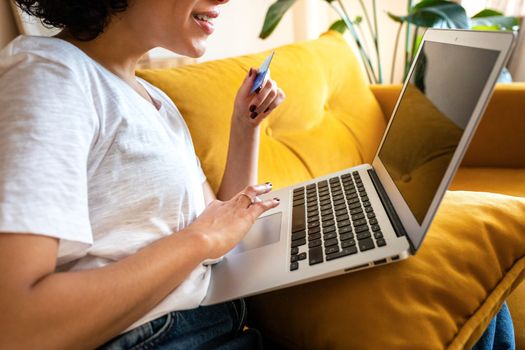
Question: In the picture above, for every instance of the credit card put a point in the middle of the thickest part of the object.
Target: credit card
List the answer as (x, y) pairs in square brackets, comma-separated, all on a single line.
[(259, 79)]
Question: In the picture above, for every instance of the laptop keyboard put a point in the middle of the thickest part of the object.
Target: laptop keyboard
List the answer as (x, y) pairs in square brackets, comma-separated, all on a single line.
[(332, 219)]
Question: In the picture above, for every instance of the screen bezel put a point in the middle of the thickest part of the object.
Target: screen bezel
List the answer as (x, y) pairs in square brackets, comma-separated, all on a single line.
[(497, 41)]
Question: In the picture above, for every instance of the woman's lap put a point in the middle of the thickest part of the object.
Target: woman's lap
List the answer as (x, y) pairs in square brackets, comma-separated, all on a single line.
[(207, 327)]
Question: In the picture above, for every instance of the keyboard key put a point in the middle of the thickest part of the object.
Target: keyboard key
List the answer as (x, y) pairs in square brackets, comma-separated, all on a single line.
[(340, 206), (329, 235), (298, 190), (294, 266), (328, 223), (342, 253), (373, 222), (302, 256), (342, 217), (322, 184), (353, 200), (369, 210), (314, 243), (298, 235), (364, 198), (295, 251), (315, 255), (366, 244), (349, 243), (314, 230), (343, 223), (354, 206), (294, 258), (310, 186), (370, 215), (346, 236), (331, 242), (346, 229), (378, 235), (361, 228), (314, 236), (329, 229), (326, 212), (356, 211), (298, 242), (366, 204), (376, 228), (340, 212), (381, 242), (359, 222), (297, 202), (331, 250), (363, 235), (313, 218), (327, 217), (358, 216), (298, 218), (313, 224)]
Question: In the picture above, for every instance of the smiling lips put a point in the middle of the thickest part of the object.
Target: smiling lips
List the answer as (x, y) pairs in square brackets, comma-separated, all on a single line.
[(205, 20)]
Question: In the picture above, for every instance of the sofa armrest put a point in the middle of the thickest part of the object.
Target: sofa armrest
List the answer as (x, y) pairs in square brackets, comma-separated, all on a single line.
[(499, 140)]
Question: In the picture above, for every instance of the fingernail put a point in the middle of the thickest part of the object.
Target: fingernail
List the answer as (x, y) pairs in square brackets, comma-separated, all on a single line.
[(269, 184), (252, 108), (267, 109), (254, 115), (258, 90), (276, 199)]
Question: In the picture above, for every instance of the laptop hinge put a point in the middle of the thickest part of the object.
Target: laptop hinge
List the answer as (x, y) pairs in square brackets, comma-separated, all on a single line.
[(389, 208)]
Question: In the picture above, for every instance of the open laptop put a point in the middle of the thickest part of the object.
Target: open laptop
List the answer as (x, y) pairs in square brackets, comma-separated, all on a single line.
[(371, 215)]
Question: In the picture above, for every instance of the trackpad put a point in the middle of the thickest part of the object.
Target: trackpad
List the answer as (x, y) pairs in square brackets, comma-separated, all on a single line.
[(266, 230)]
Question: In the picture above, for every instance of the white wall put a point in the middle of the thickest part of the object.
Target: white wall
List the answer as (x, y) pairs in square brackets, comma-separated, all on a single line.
[(237, 30)]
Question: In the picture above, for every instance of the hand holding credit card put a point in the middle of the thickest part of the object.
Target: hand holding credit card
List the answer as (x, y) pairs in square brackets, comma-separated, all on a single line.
[(259, 79)]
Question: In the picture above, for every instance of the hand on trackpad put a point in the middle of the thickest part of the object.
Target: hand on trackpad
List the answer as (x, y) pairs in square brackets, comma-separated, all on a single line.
[(266, 230)]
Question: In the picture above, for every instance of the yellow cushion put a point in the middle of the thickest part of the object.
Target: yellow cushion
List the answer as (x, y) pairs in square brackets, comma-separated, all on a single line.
[(444, 297), (329, 121)]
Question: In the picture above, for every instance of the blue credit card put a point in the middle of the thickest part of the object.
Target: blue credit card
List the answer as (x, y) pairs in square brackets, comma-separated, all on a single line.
[(259, 79)]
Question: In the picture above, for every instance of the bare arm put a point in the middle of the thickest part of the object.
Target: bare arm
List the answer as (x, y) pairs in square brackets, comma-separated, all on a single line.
[(46, 310), (243, 149)]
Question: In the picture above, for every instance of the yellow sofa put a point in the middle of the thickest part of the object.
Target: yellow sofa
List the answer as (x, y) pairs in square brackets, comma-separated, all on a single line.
[(474, 255)]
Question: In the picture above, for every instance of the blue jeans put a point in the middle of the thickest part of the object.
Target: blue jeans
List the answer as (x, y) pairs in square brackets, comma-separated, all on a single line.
[(207, 327)]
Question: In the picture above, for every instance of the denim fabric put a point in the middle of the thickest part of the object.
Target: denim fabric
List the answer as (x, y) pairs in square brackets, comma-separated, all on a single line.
[(207, 327), (499, 335)]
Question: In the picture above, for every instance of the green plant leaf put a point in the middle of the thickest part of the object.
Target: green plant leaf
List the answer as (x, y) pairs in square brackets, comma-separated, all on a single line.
[(495, 22), (432, 13), (339, 26), (487, 13), (274, 15), (358, 20)]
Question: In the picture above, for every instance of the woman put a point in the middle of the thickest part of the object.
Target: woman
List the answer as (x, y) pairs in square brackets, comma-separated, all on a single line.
[(102, 199)]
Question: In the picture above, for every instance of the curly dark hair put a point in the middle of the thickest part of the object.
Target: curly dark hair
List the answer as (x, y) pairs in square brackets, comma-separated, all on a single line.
[(84, 19)]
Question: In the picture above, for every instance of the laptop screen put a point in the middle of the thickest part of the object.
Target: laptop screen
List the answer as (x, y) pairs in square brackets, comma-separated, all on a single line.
[(440, 97)]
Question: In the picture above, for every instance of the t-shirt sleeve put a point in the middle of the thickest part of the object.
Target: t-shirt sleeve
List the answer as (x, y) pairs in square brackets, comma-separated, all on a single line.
[(46, 132)]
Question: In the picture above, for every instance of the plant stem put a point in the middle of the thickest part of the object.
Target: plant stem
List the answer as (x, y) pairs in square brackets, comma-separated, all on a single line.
[(366, 59), (376, 43), (413, 50), (407, 39), (394, 56)]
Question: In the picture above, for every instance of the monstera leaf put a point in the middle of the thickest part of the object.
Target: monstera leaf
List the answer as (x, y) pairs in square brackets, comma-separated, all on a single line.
[(435, 13), (274, 15), (494, 20)]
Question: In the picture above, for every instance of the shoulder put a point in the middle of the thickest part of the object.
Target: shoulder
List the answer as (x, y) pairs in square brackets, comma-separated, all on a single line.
[(40, 61)]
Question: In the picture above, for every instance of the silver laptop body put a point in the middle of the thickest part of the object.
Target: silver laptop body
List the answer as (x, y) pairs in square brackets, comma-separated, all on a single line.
[(371, 215)]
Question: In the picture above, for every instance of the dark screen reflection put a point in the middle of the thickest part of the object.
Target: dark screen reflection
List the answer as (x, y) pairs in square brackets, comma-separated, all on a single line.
[(443, 91)]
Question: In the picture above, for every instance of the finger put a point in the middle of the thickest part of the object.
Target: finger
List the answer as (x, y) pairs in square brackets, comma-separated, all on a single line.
[(268, 89), (249, 195), (247, 83), (258, 208), (275, 103)]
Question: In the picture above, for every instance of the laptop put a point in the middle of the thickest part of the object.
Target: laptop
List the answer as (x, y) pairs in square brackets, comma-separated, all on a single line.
[(379, 213)]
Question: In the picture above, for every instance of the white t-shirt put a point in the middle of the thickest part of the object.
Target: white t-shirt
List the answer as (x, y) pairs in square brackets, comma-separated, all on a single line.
[(84, 158)]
